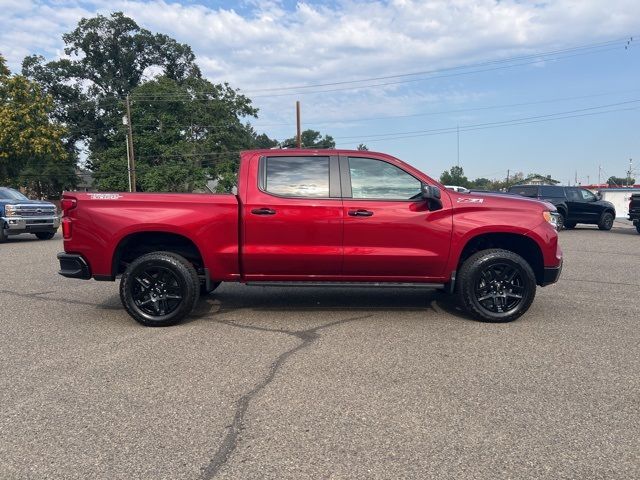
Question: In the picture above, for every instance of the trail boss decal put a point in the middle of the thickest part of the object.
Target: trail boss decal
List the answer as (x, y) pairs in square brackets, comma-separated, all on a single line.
[(105, 196)]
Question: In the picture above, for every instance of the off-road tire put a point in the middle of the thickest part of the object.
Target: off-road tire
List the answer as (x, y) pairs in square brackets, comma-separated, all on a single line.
[(212, 286), (606, 221), (470, 277), (569, 225), (181, 272), (45, 235)]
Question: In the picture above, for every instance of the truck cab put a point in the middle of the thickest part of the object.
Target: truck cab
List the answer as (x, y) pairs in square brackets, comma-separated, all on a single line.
[(19, 214)]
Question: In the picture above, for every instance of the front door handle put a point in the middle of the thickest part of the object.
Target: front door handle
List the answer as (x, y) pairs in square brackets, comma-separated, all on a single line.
[(360, 213), (263, 211)]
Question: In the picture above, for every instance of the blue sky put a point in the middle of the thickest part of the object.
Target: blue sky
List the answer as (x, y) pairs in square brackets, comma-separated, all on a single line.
[(258, 45)]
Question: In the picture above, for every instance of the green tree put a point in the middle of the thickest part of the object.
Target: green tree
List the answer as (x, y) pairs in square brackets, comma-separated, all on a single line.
[(620, 181), (363, 147), (455, 176), (180, 144), (32, 152), (108, 58), (186, 129), (311, 139), (481, 183)]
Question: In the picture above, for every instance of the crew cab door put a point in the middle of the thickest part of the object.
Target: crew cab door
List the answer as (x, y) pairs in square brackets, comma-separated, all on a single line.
[(389, 231), (582, 206), (292, 218)]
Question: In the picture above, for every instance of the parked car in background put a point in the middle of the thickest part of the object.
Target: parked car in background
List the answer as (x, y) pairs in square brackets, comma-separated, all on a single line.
[(574, 204), (19, 214), (457, 189), (320, 217), (634, 210)]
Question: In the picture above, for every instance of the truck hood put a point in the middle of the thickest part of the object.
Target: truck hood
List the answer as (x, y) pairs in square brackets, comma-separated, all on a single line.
[(497, 199), (9, 201)]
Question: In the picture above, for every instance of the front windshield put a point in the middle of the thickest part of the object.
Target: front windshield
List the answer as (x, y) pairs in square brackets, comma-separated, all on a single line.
[(9, 194)]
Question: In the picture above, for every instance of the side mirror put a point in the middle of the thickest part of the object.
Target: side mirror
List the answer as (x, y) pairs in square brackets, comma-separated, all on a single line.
[(429, 192), (432, 195)]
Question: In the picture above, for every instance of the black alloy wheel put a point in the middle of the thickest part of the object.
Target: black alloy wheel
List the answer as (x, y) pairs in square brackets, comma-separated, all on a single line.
[(496, 285), (560, 221), (159, 289), (606, 221), (500, 288)]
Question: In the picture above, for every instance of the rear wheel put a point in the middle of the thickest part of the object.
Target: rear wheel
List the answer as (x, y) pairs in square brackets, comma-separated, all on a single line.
[(569, 225), (159, 289), (606, 221), (496, 285), (45, 235)]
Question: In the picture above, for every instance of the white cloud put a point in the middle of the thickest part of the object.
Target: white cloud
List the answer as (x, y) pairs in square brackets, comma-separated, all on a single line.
[(267, 46)]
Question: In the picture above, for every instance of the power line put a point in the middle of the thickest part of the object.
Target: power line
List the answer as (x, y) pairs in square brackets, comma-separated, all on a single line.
[(596, 47), (364, 137)]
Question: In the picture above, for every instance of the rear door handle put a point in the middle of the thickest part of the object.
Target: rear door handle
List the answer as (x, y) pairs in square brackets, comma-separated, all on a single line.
[(263, 211), (360, 213)]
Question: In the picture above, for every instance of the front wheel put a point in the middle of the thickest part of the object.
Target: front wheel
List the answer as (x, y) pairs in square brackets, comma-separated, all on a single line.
[(159, 289), (496, 285), (45, 235), (3, 234), (606, 221), (638, 228), (569, 225)]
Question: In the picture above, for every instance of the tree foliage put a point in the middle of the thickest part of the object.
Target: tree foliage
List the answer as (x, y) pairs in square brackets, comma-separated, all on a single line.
[(455, 176), (32, 152), (186, 129), (311, 139), (620, 181)]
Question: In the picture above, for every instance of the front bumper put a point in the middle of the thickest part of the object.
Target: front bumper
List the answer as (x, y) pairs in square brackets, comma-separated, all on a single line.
[(551, 275), (16, 225), (73, 265)]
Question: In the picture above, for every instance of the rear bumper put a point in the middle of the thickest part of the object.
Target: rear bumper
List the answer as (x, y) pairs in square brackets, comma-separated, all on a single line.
[(551, 275), (73, 265)]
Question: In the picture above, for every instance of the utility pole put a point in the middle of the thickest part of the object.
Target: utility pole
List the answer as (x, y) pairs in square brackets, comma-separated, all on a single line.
[(458, 135), (508, 171), (599, 174), (575, 182), (629, 173), (299, 133), (130, 155)]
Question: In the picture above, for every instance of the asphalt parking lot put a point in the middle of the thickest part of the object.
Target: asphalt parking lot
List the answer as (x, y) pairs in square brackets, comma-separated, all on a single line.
[(322, 383)]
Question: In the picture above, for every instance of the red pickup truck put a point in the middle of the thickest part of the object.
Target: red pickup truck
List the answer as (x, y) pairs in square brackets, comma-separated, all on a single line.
[(326, 217)]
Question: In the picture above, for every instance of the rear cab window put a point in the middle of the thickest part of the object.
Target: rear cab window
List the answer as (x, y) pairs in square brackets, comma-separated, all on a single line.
[(295, 176)]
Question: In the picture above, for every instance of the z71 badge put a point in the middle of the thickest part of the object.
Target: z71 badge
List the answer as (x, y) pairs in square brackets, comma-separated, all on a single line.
[(470, 200)]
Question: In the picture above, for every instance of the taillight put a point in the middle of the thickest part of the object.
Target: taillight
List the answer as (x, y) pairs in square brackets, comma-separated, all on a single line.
[(68, 204)]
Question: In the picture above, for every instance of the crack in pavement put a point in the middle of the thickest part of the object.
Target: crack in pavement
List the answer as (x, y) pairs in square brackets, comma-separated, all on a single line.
[(230, 441), (68, 301)]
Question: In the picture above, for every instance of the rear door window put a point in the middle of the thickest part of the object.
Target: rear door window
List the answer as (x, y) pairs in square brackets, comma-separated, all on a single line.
[(530, 191), (551, 191), (297, 176)]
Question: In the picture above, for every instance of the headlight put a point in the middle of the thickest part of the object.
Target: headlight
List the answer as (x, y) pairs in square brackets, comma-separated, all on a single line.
[(552, 218), (10, 210)]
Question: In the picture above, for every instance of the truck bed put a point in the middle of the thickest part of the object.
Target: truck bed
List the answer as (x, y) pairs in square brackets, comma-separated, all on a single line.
[(102, 222)]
